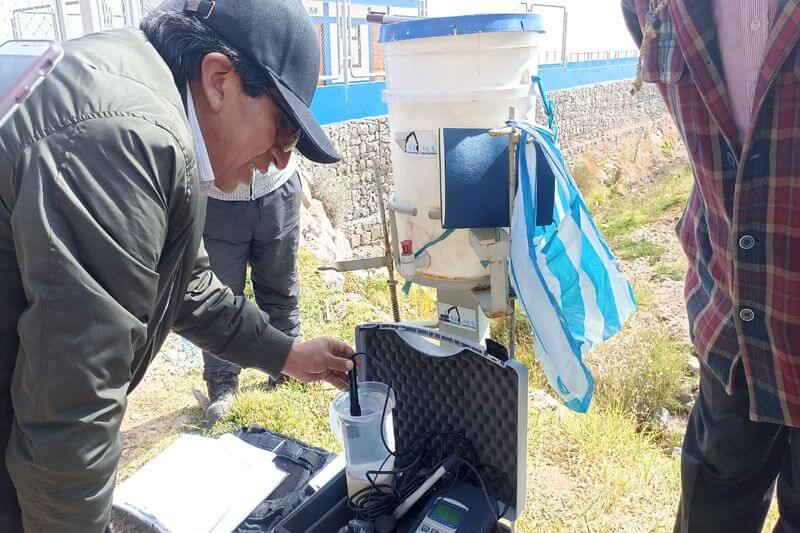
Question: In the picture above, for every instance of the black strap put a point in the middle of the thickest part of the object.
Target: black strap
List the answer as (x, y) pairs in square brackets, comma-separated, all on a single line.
[(283, 446), (298, 459)]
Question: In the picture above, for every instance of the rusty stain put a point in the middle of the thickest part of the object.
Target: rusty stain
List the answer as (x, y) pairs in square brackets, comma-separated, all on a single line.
[(435, 277)]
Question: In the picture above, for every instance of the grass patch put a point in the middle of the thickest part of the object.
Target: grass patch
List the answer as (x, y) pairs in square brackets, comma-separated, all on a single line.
[(644, 293), (499, 330), (624, 222), (674, 270), (640, 370), (624, 214), (300, 411), (597, 472), (668, 148), (633, 249), (324, 311)]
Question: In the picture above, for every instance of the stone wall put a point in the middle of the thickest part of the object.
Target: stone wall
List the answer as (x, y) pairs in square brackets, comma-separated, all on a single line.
[(603, 113), (347, 189)]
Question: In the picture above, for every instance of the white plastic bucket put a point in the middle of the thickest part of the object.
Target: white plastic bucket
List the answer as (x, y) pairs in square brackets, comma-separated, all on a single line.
[(453, 72)]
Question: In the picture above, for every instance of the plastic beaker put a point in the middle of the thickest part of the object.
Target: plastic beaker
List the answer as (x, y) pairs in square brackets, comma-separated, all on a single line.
[(360, 436)]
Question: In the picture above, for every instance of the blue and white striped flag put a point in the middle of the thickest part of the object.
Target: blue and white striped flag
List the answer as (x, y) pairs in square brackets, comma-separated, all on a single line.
[(562, 270)]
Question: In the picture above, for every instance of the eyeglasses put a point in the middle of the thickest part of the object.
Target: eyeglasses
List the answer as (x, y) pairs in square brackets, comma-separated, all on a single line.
[(284, 121)]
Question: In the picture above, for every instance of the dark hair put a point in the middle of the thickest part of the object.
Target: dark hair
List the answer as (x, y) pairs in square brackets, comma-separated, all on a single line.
[(183, 41)]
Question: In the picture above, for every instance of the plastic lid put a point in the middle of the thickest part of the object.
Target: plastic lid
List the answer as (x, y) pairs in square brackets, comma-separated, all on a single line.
[(462, 25)]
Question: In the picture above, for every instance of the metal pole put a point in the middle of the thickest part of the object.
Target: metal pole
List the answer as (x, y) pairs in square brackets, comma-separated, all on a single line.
[(563, 30), (89, 16), (513, 141), (61, 30), (513, 146), (344, 33), (134, 13), (386, 244), (341, 30), (564, 40)]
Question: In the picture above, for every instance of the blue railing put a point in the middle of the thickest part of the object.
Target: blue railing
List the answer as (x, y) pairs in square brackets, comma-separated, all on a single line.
[(337, 103), (580, 73)]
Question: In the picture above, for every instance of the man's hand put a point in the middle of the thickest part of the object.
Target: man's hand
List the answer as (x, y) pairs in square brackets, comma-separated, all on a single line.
[(319, 359)]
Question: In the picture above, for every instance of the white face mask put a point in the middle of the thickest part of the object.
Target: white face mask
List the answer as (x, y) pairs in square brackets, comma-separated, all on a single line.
[(204, 170)]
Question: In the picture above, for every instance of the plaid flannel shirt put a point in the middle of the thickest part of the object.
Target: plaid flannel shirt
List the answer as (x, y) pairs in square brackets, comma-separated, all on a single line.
[(741, 226)]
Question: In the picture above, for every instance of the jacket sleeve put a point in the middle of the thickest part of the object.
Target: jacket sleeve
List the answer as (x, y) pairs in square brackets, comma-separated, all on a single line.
[(88, 226), (632, 20), (231, 327)]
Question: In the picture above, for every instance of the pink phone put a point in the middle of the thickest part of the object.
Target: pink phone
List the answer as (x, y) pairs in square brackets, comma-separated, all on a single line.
[(23, 66)]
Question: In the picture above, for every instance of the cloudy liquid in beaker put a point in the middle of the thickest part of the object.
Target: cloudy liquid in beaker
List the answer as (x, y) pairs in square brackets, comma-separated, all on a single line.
[(357, 484)]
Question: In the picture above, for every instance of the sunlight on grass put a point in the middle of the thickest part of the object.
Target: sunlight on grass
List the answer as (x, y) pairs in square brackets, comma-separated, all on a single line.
[(634, 249), (623, 214), (640, 370), (674, 270), (596, 472), (296, 410), (644, 292)]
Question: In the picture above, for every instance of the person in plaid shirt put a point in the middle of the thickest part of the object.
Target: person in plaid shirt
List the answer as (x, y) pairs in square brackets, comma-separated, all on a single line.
[(729, 72)]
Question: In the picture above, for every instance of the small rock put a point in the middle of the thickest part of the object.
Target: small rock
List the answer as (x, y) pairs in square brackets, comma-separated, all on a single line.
[(541, 400), (664, 418), (694, 365), (676, 452), (685, 396), (361, 274), (333, 279)]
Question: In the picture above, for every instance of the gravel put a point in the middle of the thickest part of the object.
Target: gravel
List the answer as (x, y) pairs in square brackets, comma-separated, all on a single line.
[(177, 356)]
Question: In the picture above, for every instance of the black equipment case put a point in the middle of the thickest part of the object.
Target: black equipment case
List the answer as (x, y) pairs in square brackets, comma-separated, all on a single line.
[(441, 383)]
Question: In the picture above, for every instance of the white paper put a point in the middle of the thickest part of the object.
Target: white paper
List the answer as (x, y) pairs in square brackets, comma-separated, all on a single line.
[(200, 485)]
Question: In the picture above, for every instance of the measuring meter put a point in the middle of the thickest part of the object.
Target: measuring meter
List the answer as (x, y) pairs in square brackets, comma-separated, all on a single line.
[(462, 509)]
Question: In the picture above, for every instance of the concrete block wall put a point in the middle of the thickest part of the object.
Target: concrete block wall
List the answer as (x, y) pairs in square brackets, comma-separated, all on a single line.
[(602, 113)]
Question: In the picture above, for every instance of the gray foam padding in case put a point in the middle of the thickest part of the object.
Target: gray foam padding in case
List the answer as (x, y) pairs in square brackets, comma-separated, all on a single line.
[(464, 392)]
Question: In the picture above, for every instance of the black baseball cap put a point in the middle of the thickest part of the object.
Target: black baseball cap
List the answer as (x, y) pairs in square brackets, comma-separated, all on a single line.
[(279, 37)]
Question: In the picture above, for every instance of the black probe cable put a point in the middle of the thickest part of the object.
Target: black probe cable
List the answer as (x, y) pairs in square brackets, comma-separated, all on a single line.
[(386, 502)]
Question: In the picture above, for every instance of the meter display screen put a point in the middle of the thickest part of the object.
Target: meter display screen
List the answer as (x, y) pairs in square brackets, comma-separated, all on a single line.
[(447, 514)]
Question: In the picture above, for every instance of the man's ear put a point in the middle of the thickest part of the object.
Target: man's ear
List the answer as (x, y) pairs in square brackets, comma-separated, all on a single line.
[(216, 77)]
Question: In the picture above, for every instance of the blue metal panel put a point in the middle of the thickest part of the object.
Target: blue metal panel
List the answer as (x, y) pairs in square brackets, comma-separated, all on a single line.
[(579, 73), (337, 103)]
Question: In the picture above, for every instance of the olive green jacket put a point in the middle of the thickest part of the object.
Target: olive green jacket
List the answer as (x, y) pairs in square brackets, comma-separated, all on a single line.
[(100, 225)]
